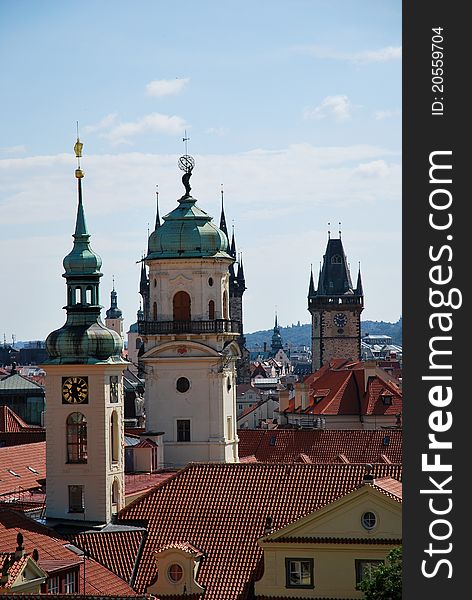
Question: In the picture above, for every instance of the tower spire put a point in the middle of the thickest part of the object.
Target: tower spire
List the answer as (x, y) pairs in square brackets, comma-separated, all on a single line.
[(311, 289), (359, 288), (222, 217), (158, 220)]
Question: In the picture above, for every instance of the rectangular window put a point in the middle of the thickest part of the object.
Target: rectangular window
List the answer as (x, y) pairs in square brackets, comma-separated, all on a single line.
[(230, 428), (183, 430), (76, 498), (69, 583), (53, 585), (299, 573), (113, 388), (364, 568)]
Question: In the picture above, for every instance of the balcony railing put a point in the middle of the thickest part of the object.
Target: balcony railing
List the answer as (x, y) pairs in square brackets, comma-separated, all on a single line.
[(173, 327)]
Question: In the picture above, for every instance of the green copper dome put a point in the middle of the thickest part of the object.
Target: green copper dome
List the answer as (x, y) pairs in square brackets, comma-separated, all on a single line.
[(82, 342), (187, 232), (83, 339)]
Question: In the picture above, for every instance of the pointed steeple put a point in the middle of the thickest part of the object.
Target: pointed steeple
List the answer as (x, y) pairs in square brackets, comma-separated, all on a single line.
[(319, 289), (359, 288), (311, 289), (158, 220), (335, 278), (83, 339), (276, 343), (232, 251), (240, 277), (222, 217), (143, 283)]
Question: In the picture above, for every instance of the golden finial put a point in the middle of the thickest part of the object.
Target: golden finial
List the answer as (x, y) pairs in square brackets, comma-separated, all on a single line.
[(78, 154)]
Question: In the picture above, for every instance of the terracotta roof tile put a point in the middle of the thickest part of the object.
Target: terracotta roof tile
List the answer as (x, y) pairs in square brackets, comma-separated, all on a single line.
[(99, 580), (391, 487), (22, 468), (221, 509), (321, 445), (10, 421), (125, 551)]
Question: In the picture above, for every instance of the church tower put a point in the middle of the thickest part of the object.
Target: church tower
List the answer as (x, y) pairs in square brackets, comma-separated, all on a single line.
[(190, 348), (84, 394), (237, 287), (114, 316), (335, 308)]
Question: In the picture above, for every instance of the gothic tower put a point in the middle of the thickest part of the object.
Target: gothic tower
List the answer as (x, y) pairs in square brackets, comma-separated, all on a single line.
[(190, 348), (237, 287), (84, 395), (335, 309)]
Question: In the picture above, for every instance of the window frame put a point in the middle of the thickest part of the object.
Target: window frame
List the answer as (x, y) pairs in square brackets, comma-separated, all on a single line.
[(70, 580), (359, 562), (304, 586), (57, 587), (177, 423), (169, 576), (76, 439), (369, 527), (72, 509)]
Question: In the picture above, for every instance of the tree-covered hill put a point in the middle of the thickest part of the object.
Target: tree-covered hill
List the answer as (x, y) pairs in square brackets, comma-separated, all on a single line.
[(300, 334)]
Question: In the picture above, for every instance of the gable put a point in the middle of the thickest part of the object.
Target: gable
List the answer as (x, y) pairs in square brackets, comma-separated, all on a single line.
[(180, 349), (343, 519)]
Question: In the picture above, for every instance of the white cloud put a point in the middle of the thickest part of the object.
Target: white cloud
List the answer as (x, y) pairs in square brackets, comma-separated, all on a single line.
[(219, 131), (338, 107), (20, 149), (380, 115), (104, 123), (166, 87), (154, 122), (376, 168), (279, 198), (361, 57)]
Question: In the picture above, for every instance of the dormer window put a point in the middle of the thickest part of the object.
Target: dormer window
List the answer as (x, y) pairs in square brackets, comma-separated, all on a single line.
[(387, 400), (175, 573), (336, 260)]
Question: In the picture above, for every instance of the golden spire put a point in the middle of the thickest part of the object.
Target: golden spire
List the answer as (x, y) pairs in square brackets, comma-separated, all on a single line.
[(78, 153)]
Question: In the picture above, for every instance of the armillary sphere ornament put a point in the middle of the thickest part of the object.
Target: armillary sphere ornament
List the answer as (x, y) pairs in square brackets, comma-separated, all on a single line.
[(186, 163)]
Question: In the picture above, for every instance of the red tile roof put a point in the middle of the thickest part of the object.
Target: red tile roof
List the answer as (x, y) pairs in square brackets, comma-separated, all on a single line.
[(221, 509), (10, 421), (15, 568), (99, 581), (350, 388), (321, 445), (22, 468), (389, 486), (118, 551)]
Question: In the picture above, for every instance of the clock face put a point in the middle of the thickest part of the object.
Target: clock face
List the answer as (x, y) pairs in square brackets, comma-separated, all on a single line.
[(340, 319), (74, 390)]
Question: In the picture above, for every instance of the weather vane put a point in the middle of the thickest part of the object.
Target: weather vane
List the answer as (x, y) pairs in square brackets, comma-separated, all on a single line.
[(78, 154), (186, 163)]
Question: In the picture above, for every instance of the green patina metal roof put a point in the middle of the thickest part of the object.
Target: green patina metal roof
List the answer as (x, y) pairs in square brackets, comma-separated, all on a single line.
[(187, 232), (17, 382), (81, 260)]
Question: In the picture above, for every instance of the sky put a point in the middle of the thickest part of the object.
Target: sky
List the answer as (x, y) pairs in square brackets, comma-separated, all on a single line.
[(294, 107)]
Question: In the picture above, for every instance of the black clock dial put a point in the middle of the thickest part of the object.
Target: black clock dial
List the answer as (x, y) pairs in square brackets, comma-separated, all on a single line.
[(74, 390), (340, 319)]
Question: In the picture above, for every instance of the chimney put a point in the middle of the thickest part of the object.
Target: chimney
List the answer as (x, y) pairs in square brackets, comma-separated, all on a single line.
[(268, 529), (20, 551), (368, 477)]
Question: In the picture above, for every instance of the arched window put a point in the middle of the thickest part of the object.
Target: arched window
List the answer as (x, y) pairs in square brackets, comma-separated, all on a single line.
[(78, 295), (76, 432), (88, 295), (114, 437), (139, 341), (211, 310), (154, 311), (69, 295), (225, 305), (336, 260), (115, 491), (181, 307)]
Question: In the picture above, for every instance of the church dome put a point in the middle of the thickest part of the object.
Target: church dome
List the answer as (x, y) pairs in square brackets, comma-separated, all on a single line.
[(187, 232), (83, 343)]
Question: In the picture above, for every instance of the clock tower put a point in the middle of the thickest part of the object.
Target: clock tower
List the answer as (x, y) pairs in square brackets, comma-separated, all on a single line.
[(84, 395), (335, 308), (189, 336)]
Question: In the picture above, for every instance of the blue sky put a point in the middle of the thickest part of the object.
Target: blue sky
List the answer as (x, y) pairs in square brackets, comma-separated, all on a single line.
[(294, 106)]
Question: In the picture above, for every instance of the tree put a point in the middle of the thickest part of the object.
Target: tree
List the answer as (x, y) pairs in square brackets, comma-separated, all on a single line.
[(385, 582)]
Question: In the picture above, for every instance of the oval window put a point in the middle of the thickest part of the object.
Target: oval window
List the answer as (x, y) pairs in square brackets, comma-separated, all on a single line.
[(175, 572), (210, 281), (183, 384), (369, 520)]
